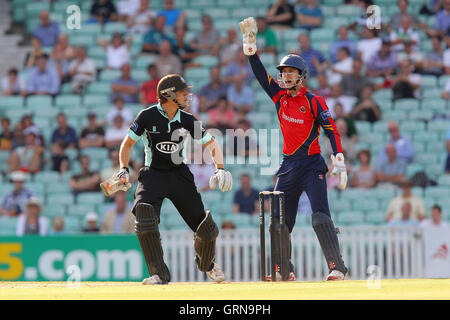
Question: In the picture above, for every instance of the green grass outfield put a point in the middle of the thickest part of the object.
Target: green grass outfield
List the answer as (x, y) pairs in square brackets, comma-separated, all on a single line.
[(401, 289)]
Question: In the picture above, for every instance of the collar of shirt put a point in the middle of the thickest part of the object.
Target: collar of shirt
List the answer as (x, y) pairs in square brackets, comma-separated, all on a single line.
[(163, 113)]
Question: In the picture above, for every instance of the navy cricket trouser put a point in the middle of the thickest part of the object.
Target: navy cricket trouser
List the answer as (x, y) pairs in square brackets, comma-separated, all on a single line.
[(298, 175)]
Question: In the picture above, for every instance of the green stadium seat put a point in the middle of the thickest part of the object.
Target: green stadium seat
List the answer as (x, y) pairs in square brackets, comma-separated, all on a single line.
[(144, 61), (437, 105), (95, 99), (425, 115), (47, 177), (95, 52), (365, 204), (196, 74), (443, 80), (428, 93), (425, 137), (8, 226), (99, 87), (67, 101), (444, 180), (375, 217), (407, 105), (112, 27), (434, 170), (413, 168), (33, 9), (72, 225), (242, 220), (383, 94), (173, 222), (363, 127), (54, 211), (192, 14), (60, 199), (80, 210), (36, 102), (426, 158), (11, 102), (91, 198), (84, 40), (206, 61), (438, 192), (350, 218), (340, 206)]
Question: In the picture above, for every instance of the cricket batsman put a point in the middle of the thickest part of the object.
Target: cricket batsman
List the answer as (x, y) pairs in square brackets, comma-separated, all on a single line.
[(300, 114), (163, 128)]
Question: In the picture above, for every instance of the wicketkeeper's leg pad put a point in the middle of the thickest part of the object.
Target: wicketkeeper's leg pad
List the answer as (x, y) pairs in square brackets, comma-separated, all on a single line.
[(326, 233), (147, 231), (205, 243)]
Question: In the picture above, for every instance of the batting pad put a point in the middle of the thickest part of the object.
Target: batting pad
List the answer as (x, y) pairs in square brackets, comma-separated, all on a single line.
[(205, 243)]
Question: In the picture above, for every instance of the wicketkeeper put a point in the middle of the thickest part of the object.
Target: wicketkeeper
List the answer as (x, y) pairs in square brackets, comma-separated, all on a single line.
[(163, 128), (301, 114)]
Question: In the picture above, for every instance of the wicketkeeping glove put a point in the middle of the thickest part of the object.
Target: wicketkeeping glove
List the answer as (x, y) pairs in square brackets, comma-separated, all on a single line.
[(249, 30), (222, 179), (339, 168)]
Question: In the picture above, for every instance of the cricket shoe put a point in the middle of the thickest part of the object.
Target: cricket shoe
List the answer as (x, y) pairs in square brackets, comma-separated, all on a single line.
[(154, 279), (335, 275), (216, 274), (291, 277)]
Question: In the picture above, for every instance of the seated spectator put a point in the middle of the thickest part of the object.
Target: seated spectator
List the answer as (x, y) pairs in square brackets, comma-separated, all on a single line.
[(447, 146), (341, 42), (119, 109), (365, 175), (244, 141), (59, 160), (337, 96), (392, 169), (414, 56), (167, 62), (27, 158), (118, 217), (31, 221), (125, 87), (403, 145), (281, 15), (58, 227), (348, 145), (353, 84), (309, 15), (417, 210), (240, 96), (13, 202), (447, 53), (211, 92), (227, 225), (91, 220), (351, 128), (63, 49), (183, 50), (239, 68), (117, 51), (436, 219), (86, 180), (140, 21), (18, 138), (93, 134), (202, 172), (32, 56), (7, 135), (64, 133), (365, 108), (29, 126), (395, 21), (82, 71), (60, 63), (323, 88), (205, 40), (246, 199), (222, 116), (47, 31), (433, 63), (227, 47), (406, 84), (446, 92), (442, 23), (368, 45), (103, 11), (266, 39), (148, 93), (43, 79), (174, 17), (13, 85), (342, 67), (383, 63), (114, 135), (314, 59), (405, 32), (158, 33), (405, 220)]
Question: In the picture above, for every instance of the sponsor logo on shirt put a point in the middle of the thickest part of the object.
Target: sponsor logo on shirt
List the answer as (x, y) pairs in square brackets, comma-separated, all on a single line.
[(290, 119), (167, 147), (134, 126), (325, 114)]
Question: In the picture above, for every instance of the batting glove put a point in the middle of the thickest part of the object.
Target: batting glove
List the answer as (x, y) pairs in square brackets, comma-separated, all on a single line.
[(249, 31), (222, 179), (339, 168), (124, 175)]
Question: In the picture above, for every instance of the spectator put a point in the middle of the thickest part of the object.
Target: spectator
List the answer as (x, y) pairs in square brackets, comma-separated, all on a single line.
[(447, 53), (353, 84), (309, 15), (414, 56), (384, 62), (82, 71), (182, 49), (202, 172), (405, 220), (43, 79), (205, 40), (167, 62), (119, 109), (222, 116), (365, 108), (246, 199), (29, 126), (7, 135), (148, 93), (18, 138), (406, 84), (156, 35), (93, 134), (31, 222), (140, 21), (365, 175), (27, 158), (323, 89), (117, 51), (446, 92), (63, 49), (447, 146), (396, 19), (351, 128), (47, 32), (240, 96), (64, 133), (405, 32), (436, 219), (103, 11), (442, 24), (227, 225), (266, 39), (87, 180), (127, 8), (417, 210), (58, 227), (239, 68), (91, 220), (174, 17), (13, 85), (13, 202), (118, 218), (403, 145), (210, 93), (244, 141), (32, 56), (348, 145), (115, 134), (368, 45), (341, 42), (314, 59), (125, 87), (227, 47), (434, 59), (108, 172), (392, 169), (281, 15), (336, 96), (342, 67), (59, 160)]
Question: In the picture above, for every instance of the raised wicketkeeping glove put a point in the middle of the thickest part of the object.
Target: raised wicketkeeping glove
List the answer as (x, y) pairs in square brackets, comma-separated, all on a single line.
[(339, 168), (222, 179), (249, 31)]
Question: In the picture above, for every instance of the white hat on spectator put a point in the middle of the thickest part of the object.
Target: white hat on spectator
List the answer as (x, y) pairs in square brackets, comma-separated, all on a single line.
[(33, 201), (91, 216), (18, 176)]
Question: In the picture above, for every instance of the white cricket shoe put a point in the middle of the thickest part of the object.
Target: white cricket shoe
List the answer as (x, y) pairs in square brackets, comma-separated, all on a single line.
[(335, 275), (154, 279), (216, 274)]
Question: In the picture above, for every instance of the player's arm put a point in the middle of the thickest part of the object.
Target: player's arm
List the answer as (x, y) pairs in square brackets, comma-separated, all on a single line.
[(216, 153), (125, 151)]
